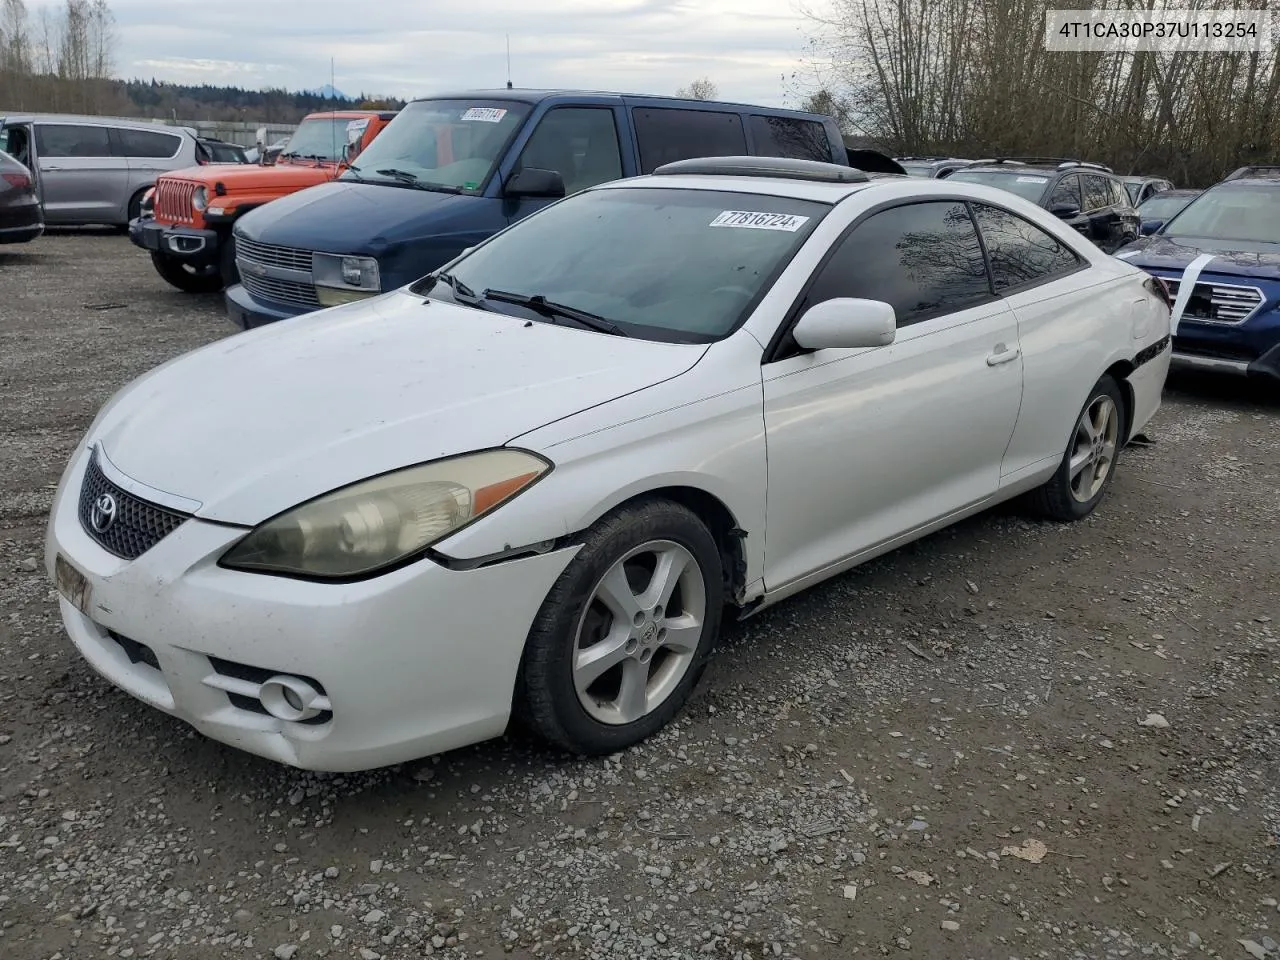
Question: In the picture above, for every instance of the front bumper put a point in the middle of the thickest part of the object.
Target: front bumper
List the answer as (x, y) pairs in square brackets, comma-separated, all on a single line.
[(413, 663), (247, 313), (188, 244)]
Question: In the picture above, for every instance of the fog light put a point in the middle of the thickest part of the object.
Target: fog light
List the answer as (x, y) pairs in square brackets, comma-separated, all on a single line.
[(292, 699)]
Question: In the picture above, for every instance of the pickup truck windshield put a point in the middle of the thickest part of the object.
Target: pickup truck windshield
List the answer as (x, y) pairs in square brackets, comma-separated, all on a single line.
[(319, 138), (441, 144)]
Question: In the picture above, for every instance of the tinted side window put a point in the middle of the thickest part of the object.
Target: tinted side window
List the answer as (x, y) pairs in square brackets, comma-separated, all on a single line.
[(1067, 190), (1020, 252), (580, 142), (145, 143), (923, 258), (1096, 193), (666, 135), (789, 137), (72, 140)]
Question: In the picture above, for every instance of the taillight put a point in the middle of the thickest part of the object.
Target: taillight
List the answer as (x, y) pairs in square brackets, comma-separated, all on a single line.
[(19, 180)]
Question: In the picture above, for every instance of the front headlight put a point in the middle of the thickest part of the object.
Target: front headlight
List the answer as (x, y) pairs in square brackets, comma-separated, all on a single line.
[(200, 199), (379, 523), (346, 273)]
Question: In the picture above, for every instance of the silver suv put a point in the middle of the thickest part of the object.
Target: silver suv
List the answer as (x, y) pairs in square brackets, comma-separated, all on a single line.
[(95, 169)]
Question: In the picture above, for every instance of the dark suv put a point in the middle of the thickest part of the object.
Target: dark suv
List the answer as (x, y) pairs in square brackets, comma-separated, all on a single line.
[(1086, 196)]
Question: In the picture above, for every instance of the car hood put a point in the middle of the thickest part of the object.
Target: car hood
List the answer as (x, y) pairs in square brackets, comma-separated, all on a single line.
[(261, 421), (373, 217), (242, 177), (1243, 258)]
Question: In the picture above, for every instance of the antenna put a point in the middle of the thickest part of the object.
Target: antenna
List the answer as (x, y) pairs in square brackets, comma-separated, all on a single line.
[(508, 61), (333, 127)]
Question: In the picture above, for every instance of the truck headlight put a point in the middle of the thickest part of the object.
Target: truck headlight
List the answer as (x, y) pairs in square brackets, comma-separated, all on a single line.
[(341, 279), (200, 199)]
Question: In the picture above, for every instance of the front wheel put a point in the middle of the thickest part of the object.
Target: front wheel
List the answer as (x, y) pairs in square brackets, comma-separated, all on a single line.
[(186, 278), (625, 632), (1089, 464)]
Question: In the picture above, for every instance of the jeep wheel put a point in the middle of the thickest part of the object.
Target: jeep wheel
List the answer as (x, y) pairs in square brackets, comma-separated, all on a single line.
[(186, 278)]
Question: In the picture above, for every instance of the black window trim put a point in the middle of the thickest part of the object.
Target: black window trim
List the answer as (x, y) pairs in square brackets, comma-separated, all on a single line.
[(105, 128), (774, 352)]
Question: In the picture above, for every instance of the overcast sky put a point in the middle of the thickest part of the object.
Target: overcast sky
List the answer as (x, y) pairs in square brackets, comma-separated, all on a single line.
[(415, 47)]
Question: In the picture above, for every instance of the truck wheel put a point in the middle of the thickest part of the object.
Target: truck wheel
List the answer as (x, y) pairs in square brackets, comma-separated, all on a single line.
[(186, 279)]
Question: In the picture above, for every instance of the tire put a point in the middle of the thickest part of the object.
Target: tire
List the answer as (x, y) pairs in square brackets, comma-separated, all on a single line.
[(135, 207), (593, 716), (1066, 497), (176, 273)]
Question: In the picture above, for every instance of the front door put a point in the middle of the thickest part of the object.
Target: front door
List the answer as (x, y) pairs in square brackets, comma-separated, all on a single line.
[(865, 445), (82, 181), (579, 143)]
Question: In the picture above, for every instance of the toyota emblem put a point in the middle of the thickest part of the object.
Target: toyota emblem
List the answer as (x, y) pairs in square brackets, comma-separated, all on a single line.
[(103, 514)]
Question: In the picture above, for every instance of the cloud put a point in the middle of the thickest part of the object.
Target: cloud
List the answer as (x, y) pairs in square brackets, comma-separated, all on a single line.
[(409, 48)]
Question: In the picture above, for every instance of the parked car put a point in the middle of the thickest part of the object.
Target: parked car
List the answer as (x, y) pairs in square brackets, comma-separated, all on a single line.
[(94, 170), (939, 167), (1224, 247), (220, 151), (536, 477), (450, 171), (20, 218), (1159, 207), (189, 231), (1142, 188), (1086, 196)]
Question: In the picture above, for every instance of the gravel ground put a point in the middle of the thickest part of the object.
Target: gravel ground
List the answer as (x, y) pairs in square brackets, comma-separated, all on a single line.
[(1011, 740)]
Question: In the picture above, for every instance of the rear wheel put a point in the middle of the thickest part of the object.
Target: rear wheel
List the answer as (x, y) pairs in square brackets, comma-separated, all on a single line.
[(1089, 464), (625, 632), (186, 278)]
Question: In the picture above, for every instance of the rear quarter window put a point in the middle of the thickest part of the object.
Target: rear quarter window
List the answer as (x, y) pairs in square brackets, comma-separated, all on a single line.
[(148, 144), (790, 137)]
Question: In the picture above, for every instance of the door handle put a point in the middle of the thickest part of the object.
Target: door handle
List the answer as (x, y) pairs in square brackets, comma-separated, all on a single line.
[(50, 166), (1002, 354)]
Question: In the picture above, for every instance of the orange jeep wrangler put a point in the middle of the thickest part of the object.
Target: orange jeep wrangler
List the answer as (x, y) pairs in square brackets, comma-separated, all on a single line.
[(186, 221)]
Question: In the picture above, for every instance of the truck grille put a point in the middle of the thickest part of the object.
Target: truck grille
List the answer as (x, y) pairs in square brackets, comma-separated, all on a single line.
[(173, 200), (138, 524), (280, 291), (1219, 302), (269, 255)]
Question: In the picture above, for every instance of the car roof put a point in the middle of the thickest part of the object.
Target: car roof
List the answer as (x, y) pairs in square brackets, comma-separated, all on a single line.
[(1179, 192), (1141, 178), (135, 123), (538, 95), (1253, 180)]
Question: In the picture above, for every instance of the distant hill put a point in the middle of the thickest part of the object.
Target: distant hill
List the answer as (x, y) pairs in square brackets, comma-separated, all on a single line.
[(156, 99)]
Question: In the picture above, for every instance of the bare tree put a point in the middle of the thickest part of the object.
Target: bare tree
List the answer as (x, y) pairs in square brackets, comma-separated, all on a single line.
[(701, 89)]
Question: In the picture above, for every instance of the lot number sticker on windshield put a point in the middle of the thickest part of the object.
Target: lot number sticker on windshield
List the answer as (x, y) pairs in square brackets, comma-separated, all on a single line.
[(1033, 179), (485, 114), (748, 220)]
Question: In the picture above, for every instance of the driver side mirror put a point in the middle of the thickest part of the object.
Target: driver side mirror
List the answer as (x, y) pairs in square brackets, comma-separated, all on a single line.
[(846, 323), (1151, 226), (1065, 210), (535, 182)]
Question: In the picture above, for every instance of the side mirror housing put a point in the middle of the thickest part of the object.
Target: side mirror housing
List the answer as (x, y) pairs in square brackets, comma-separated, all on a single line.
[(1065, 210), (1151, 226), (535, 182), (846, 323)]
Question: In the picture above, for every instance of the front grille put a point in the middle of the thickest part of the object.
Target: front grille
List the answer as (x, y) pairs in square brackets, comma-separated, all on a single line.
[(270, 255), (173, 200), (137, 526), (1219, 302), (279, 291)]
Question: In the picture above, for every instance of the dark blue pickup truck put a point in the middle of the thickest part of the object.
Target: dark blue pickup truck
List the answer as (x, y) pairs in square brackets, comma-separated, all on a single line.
[(450, 171)]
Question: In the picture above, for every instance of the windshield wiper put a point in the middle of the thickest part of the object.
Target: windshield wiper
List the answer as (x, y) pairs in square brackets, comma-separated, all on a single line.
[(549, 308), (459, 288), (404, 176)]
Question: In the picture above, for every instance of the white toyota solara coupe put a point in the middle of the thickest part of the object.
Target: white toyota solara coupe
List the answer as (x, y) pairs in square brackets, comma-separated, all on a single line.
[(530, 484)]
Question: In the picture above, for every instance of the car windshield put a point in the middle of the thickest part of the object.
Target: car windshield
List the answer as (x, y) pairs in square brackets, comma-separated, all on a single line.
[(917, 169), (1230, 213), (1025, 183), (1160, 207), (322, 138), (660, 263), (451, 144)]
